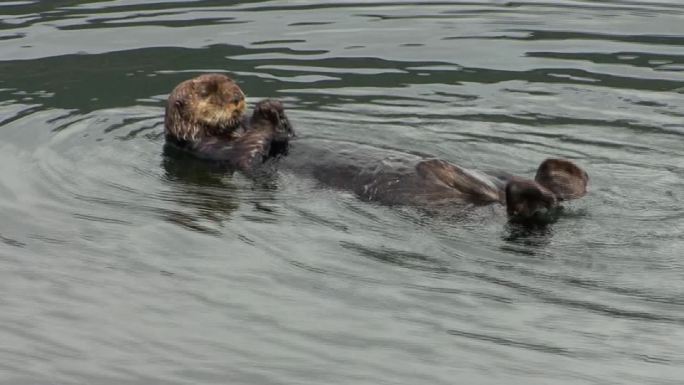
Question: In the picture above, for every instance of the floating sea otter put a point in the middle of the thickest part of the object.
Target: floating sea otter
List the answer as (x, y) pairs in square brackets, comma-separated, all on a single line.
[(206, 116), (404, 179)]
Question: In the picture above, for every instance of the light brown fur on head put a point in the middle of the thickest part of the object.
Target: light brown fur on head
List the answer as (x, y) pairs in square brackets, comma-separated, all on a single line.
[(208, 105)]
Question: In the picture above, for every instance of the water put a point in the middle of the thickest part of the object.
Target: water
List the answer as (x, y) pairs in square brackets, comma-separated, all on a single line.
[(120, 265)]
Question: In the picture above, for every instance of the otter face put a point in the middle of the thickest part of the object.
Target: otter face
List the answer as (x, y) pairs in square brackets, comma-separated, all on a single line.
[(526, 199), (271, 112), (218, 102), (210, 104)]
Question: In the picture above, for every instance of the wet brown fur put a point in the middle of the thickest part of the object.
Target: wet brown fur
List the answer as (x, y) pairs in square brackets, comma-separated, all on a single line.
[(458, 179), (205, 115), (395, 178), (524, 197), (563, 178)]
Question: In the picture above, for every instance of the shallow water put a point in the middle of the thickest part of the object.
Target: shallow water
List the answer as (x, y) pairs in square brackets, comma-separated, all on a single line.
[(122, 265)]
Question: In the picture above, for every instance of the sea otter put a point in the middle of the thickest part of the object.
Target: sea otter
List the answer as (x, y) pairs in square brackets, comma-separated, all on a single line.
[(396, 178), (206, 116)]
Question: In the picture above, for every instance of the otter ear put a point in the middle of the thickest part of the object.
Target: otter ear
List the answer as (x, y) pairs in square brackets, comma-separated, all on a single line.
[(524, 198), (562, 177)]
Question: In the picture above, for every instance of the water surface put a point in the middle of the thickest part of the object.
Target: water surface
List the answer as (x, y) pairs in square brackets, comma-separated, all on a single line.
[(120, 264)]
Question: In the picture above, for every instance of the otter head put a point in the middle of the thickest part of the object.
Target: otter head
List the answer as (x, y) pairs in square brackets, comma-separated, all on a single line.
[(208, 105), (270, 113)]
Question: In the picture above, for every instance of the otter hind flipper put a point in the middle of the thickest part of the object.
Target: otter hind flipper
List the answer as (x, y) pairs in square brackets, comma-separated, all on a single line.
[(474, 187), (526, 198), (563, 178), (556, 180)]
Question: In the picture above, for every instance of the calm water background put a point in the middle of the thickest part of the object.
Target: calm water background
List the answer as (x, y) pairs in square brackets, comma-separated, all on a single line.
[(120, 265)]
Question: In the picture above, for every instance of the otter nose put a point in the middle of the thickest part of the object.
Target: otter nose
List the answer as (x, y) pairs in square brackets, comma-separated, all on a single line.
[(237, 97)]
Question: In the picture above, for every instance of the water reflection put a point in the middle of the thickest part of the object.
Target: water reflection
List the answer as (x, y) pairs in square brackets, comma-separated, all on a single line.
[(209, 189), (528, 237), (206, 188)]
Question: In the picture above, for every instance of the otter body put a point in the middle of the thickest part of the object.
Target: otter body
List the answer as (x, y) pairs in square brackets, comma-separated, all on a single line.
[(386, 176), (205, 115), (396, 178)]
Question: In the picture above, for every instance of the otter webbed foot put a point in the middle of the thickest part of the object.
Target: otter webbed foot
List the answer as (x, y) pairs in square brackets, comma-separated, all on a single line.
[(565, 179), (556, 180)]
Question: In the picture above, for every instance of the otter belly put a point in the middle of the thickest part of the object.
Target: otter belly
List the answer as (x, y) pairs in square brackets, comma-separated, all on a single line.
[(388, 176), (243, 152)]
